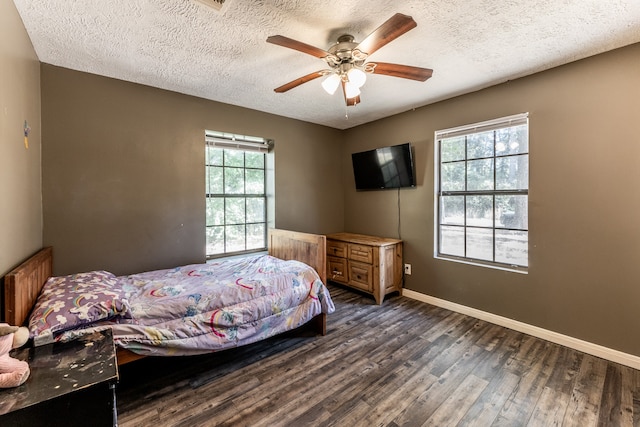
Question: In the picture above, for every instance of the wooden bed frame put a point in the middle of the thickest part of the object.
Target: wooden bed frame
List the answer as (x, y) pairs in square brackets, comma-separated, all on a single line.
[(23, 284)]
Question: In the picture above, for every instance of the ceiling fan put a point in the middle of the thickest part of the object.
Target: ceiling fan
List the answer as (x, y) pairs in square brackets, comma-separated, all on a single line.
[(347, 59)]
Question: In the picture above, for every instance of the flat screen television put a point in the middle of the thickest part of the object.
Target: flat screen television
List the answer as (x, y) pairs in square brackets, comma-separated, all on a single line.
[(384, 168)]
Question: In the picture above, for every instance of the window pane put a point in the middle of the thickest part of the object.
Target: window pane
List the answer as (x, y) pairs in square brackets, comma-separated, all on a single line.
[(512, 173), (452, 210), (512, 140), (480, 243), (215, 211), (235, 238), (512, 212), (234, 158), (480, 211), (214, 156), (452, 240), (483, 180), (215, 240), (452, 149), (214, 180), (255, 209), (234, 210), (254, 160), (255, 236), (234, 181), (512, 247), (234, 173), (480, 175), (480, 145), (452, 178), (255, 181)]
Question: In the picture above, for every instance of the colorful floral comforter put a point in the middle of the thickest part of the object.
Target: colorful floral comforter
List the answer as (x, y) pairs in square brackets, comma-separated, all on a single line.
[(203, 307)]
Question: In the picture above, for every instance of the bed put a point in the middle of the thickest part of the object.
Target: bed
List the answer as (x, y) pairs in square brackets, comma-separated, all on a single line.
[(255, 297)]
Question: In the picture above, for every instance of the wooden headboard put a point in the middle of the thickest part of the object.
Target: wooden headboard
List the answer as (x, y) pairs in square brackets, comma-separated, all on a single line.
[(305, 247), (22, 285)]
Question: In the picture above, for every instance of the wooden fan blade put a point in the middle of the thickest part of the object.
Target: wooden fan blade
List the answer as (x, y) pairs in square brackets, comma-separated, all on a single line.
[(403, 71), (395, 26), (299, 46), (353, 101), (350, 101), (297, 82)]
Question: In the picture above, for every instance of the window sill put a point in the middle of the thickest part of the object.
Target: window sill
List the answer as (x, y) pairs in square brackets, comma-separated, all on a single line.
[(512, 269), (219, 257)]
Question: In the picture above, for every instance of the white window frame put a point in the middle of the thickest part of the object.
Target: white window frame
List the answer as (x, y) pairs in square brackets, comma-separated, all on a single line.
[(228, 141), (501, 123)]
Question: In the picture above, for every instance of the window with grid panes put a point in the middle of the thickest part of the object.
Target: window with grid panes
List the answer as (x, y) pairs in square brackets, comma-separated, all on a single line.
[(482, 192), (236, 201)]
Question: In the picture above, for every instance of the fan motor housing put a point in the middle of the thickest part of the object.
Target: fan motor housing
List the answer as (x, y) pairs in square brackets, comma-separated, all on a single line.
[(343, 49)]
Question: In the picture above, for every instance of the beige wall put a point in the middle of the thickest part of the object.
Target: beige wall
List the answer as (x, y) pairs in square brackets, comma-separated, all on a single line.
[(20, 183), (123, 172), (584, 241)]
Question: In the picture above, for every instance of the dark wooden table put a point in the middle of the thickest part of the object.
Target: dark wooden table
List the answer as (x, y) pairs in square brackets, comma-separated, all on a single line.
[(70, 384)]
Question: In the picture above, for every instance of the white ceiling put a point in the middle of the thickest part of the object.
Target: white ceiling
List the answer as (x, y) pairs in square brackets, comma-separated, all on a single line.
[(186, 47)]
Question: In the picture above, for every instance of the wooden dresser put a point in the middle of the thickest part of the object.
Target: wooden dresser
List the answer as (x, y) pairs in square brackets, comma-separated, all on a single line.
[(368, 263)]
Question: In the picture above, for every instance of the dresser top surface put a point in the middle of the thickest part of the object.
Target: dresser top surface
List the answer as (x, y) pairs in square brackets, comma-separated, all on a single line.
[(363, 239)]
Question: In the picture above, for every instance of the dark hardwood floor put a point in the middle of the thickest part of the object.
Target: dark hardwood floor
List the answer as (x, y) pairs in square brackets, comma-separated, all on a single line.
[(405, 363)]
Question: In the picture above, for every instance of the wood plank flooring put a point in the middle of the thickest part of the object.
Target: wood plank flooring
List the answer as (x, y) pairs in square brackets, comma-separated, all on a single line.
[(405, 363)]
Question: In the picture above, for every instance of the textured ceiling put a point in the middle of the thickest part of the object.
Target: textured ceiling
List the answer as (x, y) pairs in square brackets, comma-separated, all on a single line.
[(183, 46)]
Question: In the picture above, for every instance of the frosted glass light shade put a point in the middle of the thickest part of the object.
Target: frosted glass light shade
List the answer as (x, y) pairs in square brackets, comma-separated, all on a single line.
[(331, 83), (351, 90), (357, 77)]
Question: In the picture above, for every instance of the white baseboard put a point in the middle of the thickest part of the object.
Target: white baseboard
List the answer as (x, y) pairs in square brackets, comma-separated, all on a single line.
[(565, 340)]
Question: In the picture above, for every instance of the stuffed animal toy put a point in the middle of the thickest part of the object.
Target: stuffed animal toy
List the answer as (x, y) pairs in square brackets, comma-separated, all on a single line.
[(13, 372)]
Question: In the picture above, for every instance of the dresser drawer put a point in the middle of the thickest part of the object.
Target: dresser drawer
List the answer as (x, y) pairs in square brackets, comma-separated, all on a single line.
[(337, 269), (361, 275), (335, 248), (361, 253)]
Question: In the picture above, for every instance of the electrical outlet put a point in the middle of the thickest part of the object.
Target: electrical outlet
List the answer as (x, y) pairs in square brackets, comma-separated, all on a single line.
[(407, 269)]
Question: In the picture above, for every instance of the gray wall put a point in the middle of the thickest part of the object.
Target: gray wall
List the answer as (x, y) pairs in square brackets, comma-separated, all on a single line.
[(20, 176), (123, 172), (584, 200)]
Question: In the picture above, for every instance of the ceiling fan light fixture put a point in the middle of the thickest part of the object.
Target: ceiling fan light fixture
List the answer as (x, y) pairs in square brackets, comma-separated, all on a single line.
[(346, 59), (351, 90), (357, 77), (331, 83)]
